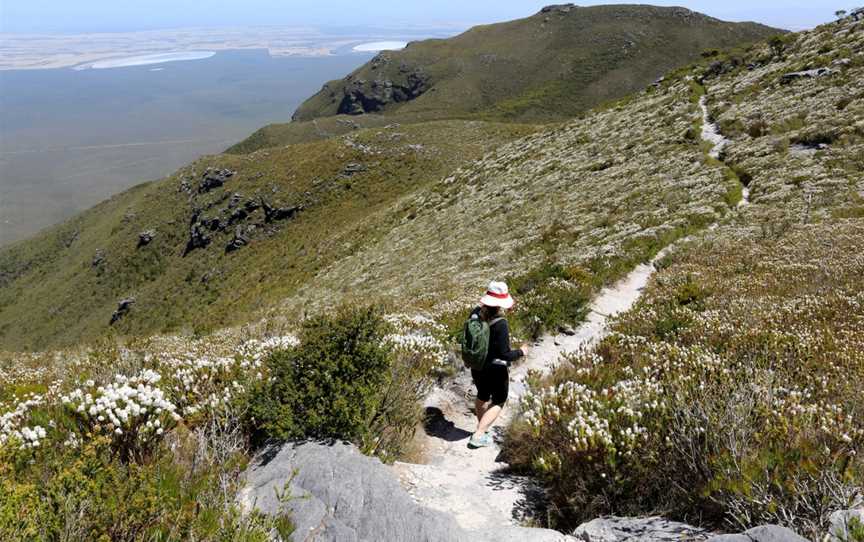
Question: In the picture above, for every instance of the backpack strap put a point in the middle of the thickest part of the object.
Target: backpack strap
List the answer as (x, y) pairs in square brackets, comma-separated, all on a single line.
[(496, 320)]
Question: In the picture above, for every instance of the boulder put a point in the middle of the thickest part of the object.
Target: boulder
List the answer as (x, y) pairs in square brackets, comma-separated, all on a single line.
[(276, 214), (333, 493), (353, 168), (123, 308), (197, 238), (214, 178), (558, 8), (765, 533), (240, 240), (844, 521), (651, 529), (145, 238)]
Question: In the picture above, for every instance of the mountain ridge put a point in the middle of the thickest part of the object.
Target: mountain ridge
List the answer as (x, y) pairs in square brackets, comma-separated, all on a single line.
[(552, 65)]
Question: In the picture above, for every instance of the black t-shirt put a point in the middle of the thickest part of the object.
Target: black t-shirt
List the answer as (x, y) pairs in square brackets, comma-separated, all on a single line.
[(499, 342)]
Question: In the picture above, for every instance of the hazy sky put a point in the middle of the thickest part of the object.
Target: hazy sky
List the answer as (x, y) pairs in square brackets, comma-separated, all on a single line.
[(127, 15)]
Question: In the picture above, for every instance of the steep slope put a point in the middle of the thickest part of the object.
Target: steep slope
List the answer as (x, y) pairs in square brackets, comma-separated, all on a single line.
[(223, 237), (553, 65)]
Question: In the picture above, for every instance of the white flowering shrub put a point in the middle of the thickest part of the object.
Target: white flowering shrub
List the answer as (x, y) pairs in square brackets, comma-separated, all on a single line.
[(133, 411), (731, 392), (421, 338), (16, 426)]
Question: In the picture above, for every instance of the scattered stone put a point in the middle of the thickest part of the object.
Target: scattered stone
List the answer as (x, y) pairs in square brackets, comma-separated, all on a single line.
[(123, 309), (842, 522), (353, 168), (276, 214), (652, 529), (98, 258), (214, 178), (197, 237), (240, 240), (808, 74), (567, 330), (145, 238)]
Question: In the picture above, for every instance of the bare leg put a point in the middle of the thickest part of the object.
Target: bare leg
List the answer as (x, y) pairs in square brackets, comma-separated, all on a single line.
[(488, 419), (480, 408)]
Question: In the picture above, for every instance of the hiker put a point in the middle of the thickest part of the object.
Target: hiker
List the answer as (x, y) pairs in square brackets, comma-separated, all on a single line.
[(486, 350)]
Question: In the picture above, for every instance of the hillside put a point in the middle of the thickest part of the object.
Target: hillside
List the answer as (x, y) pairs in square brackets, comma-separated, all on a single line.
[(553, 65), (727, 392), (223, 237)]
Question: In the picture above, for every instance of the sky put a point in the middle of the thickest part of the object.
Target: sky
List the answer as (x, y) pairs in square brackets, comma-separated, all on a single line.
[(74, 16)]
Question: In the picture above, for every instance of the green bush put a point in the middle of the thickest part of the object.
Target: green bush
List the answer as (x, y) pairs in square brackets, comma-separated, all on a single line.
[(550, 296), (341, 382), (86, 493)]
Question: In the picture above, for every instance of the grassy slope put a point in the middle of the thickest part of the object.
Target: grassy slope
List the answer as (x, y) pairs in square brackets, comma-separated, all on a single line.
[(548, 66), (51, 294)]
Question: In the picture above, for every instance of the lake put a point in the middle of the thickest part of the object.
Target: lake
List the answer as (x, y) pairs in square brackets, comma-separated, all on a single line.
[(72, 138)]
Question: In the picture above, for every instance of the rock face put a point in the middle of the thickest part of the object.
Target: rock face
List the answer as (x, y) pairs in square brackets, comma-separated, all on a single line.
[(653, 529), (339, 495), (363, 96)]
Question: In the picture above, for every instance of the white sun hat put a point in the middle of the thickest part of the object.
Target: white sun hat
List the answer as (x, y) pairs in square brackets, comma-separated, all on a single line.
[(497, 295)]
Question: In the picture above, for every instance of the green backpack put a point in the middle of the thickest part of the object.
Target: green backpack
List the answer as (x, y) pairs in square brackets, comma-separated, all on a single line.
[(475, 342)]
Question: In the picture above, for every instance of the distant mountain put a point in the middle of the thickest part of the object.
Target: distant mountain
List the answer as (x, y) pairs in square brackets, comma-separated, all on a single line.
[(555, 64)]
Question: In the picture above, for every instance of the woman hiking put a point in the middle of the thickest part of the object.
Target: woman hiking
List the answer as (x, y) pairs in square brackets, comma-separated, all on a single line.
[(491, 376)]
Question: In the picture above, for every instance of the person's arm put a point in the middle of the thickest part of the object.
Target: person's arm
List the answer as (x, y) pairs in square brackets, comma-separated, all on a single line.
[(500, 343)]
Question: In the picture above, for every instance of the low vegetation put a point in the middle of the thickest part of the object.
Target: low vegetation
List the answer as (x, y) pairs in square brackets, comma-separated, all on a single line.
[(731, 393), (155, 451)]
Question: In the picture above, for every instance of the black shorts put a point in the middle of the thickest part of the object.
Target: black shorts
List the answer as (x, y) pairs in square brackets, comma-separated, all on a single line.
[(493, 382)]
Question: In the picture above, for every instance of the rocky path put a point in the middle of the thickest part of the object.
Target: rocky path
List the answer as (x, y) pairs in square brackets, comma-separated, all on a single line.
[(711, 133), (474, 485)]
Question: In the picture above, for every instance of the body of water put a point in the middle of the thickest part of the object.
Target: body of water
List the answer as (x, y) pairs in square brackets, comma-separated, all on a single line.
[(72, 138)]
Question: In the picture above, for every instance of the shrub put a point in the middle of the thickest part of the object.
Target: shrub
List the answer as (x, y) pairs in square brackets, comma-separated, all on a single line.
[(550, 296), (86, 493), (342, 382)]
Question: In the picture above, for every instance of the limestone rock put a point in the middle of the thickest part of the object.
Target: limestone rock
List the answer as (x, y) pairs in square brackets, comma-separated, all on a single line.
[(651, 529), (338, 494)]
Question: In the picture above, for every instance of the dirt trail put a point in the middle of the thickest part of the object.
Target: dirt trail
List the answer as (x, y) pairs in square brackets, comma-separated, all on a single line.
[(711, 133), (473, 485)]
